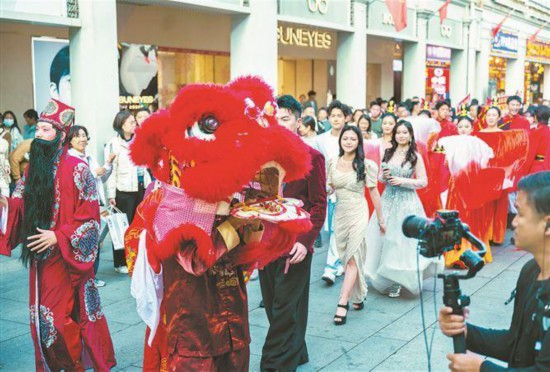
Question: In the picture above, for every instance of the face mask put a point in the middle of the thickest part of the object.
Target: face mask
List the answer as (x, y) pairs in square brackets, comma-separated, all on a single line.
[(8, 122)]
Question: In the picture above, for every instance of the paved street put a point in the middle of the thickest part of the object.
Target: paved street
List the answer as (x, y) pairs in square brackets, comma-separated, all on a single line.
[(386, 336)]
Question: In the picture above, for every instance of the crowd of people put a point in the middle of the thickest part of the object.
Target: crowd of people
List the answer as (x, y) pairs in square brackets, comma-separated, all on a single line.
[(370, 168)]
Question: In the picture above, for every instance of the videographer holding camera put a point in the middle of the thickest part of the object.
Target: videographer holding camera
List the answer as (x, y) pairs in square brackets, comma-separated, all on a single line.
[(526, 345)]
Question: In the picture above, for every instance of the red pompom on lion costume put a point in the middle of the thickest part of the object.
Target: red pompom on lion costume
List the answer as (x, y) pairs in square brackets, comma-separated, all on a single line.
[(185, 250)]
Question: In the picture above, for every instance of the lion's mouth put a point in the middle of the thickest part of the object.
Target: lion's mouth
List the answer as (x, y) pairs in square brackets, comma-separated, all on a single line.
[(269, 179), (267, 182)]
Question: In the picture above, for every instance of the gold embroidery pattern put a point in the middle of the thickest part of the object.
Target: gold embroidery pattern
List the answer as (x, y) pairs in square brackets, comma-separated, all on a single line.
[(175, 172), (131, 254)]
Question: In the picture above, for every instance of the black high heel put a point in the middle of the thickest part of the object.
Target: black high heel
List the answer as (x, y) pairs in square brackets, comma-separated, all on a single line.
[(339, 319), (359, 306)]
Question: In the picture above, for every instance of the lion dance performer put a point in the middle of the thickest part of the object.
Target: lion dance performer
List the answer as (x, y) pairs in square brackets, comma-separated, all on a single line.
[(213, 149)]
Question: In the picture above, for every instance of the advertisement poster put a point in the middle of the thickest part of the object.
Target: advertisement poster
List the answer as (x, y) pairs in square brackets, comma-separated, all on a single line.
[(439, 81), (138, 74), (51, 71)]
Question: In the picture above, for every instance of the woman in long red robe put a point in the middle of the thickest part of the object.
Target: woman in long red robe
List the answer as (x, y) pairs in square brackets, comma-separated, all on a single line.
[(511, 150), (467, 158)]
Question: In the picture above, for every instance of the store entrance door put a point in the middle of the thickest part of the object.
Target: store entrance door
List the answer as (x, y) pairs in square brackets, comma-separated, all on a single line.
[(298, 76)]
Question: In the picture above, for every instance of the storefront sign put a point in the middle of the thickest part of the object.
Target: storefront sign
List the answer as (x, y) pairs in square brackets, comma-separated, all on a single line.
[(380, 21), (449, 33), (304, 37), (138, 75), (505, 42), (538, 50), (439, 53), (326, 11)]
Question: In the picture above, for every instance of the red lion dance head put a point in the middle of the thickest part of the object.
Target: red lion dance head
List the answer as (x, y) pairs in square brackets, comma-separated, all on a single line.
[(211, 143)]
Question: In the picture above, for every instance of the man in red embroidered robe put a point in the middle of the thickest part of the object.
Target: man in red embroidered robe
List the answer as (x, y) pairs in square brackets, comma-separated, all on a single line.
[(514, 120), (54, 214)]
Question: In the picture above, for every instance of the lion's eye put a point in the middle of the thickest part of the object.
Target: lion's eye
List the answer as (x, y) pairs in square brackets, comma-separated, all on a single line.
[(209, 124)]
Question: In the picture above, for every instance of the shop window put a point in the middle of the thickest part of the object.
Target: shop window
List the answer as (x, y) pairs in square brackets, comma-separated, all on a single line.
[(178, 68), (497, 76), (534, 76)]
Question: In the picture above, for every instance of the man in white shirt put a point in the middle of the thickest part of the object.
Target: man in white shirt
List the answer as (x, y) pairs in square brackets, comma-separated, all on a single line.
[(327, 144)]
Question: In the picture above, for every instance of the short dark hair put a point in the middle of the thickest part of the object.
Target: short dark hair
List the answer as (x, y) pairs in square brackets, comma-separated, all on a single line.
[(322, 109), (537, 187), (291, 104), (542, 114), (120, 118), (308, 104), (347, 109), (73, 132), (311, 93), (309, 121), (374, 103), (440, 104), (404, 105), (474, 102), (30, 113), (425, 112), (513, 98), (338, 105), (61, 66)]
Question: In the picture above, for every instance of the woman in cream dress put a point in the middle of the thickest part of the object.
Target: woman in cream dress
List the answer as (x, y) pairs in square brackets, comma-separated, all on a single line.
[(348, 175)]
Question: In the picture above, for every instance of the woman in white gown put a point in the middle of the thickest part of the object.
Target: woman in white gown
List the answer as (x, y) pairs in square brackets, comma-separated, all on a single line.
[(391, 261), (348, 175)]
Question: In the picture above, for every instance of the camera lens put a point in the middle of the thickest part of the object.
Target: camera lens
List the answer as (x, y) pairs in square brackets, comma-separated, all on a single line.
[(413, 226), (472, 260)]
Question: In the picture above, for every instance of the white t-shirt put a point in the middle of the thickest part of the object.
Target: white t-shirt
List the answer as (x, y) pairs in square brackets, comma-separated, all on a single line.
[(327, 144), (310, 141)]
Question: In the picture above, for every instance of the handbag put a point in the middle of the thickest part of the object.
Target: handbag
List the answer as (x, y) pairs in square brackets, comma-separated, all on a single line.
[(117, 223)]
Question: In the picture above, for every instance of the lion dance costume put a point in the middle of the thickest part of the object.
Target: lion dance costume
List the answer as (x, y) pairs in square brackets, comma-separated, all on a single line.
[(186, 254)]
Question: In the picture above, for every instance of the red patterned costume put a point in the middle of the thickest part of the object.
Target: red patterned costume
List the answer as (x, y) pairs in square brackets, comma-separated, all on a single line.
[(68, 325), (539, 150), (203, 150), (467, 158), (511, 150), (511, 122)]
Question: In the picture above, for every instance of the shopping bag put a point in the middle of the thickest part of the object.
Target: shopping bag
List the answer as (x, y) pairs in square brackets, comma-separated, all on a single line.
[(117, 222)]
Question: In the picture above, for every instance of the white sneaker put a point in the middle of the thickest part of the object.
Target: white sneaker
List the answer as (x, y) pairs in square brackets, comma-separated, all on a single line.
[(122, 269), (99, 283), (254, 274), (329, 277)]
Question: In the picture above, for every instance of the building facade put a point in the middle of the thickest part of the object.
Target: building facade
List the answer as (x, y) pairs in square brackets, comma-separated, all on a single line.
[(347, 49)]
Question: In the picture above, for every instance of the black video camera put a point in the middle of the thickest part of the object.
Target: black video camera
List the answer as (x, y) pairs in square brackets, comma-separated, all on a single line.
[(439, 235)]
